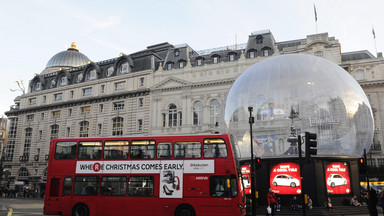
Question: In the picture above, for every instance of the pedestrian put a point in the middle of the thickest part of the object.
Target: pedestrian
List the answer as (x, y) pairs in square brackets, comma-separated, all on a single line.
[(294, 204), (310, 203), (329, 204), (354, 201), (271, 198)]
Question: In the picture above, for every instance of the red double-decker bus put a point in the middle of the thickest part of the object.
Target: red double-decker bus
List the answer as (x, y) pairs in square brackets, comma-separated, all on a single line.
[(163, 175)]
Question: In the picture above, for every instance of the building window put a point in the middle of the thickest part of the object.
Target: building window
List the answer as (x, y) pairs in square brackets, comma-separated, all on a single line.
[(259, 39), (99, 127), (169, 66), (124, 68), (63, 81), (56, 114), (177, 52), (232, 57), (265, 52), (117, 126), (79, 77), (199, 62), (139, 125), (164, 120), (120, 86), (58, 96), (215, 60), (380, 162), (181, 64), (251, 54), (371, 162), (214, 111), (72, 93), (44, 99), (101, 108), (84, 128), (52, 83), (42, 116), (68, 131), (319, 54), (118, 105), (85, 110), (69, 112), (23, 173), (142, 81), (40, 134), (27, 142), (30, 117), (92, 75), (37, 86), (32, 101), (87, 91), (54, 131), (110, 71), (141, 102), (102, 88), (360, 74), (172, 116), (198, 109)]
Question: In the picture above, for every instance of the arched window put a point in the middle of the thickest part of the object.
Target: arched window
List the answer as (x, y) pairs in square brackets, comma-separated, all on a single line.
[(181, 64), (110, 71), (214, 111), (319, 54), (63, 80), (38, 86), (360, 74), (251, 53), (92, 74), (124, 68), (169, 65), (266, 51), (84, 128), (27, 142), (259, 39), (117, 126), (54, 131), (79, 77), (198, 110), (174, 117), (52, 83), (200, 61), (177, 52), (23, 173), (215, 59)]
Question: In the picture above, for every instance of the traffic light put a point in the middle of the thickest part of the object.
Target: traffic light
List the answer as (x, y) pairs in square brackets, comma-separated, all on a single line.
[(363, 165), (310, 145), (257, 163)]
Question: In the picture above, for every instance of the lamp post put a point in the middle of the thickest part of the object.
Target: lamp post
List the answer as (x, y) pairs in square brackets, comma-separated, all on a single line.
[(253, 188)]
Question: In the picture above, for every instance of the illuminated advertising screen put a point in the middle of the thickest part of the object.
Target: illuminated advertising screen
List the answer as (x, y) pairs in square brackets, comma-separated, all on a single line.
[(337, 178), (285, 178)]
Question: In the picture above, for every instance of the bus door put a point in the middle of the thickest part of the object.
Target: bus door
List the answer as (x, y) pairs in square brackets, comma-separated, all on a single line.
[(66, 196), (112, 199), (141, 196), (222, 191), (52, 200)]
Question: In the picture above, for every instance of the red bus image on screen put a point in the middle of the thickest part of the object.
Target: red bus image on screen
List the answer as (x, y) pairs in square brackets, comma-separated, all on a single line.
[(164, 175), (337, 178), (285, 178)]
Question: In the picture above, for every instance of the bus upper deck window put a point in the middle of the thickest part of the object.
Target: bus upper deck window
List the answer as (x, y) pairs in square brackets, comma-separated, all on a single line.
[(116, 149), (164, 150), (215, 148), (89, 150), (143, 149), (187, 150), (65, 150)]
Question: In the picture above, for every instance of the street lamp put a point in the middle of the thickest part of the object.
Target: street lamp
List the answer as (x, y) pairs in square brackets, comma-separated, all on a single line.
[(251, 121)]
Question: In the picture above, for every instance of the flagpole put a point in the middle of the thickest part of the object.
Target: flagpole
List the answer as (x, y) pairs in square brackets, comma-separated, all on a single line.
[(374, 39), (314, 9)]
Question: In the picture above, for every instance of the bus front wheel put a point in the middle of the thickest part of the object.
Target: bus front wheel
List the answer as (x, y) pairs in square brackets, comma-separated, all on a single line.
[(80, 210), (185, 210)]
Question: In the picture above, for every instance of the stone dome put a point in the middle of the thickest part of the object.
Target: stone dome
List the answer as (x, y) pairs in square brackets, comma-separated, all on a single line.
[(69, 58), (293, 94)]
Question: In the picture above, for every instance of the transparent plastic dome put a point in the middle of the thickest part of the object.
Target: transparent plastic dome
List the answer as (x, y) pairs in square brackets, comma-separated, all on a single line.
[(292, 94)]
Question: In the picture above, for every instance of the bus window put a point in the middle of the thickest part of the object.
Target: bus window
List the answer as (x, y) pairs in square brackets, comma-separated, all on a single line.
[(215, 148), (116, 149), (143, 149), (86, 185), (113, 186), (65, 150), (140, 186), (89, 150), (67, 186), (187, 150), (164, 150), (221, 186)]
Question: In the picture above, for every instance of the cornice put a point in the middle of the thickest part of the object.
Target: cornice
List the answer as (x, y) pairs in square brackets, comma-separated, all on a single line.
[(376, 83), (196, 85), (87, 100)]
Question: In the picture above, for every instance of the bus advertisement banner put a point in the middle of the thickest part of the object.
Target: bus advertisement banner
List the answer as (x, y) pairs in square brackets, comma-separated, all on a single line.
[(337, 178), (285, 178)]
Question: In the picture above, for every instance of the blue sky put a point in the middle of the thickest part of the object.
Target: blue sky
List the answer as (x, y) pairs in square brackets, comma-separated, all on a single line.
[(32, 31)]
